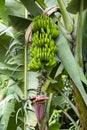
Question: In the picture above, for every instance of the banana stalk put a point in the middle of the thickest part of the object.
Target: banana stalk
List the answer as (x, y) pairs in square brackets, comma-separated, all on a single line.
[(67, 19)]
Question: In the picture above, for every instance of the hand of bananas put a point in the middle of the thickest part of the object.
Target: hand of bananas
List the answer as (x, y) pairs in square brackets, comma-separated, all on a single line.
[(43, 48)]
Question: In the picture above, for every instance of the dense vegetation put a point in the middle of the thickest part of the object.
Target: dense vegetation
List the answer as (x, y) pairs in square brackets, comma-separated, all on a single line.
[(43, 65)]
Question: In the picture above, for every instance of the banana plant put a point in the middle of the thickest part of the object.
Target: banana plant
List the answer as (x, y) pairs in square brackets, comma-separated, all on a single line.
[(45, 67)]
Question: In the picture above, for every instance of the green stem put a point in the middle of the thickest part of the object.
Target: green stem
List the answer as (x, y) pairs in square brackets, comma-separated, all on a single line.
[(25, 80), (79, 35), (25, 75), (67, 20)]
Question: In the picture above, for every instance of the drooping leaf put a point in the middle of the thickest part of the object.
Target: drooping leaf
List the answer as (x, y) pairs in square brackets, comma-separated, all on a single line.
[(32, 7), (69, 63), (74, 6), (19, 23)]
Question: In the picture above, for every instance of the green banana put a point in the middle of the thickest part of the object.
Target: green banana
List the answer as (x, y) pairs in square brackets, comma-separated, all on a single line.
[(43, 48), (39, 23), (48, 30), (51, 63), (44, 23)]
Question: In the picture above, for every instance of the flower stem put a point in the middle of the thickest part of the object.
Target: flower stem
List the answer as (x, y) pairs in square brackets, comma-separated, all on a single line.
[(25, 74)]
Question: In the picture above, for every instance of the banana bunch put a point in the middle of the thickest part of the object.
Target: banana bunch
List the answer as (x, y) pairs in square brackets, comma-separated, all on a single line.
[(43, 48)]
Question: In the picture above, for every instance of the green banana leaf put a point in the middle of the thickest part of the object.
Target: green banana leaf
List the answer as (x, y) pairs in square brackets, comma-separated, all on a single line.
[(67, 59), (4, 44), (19, 23), (74, 6), (8, 109), (32, 82), (32, 7), (3, 14), (15, 8), (13, 68), (2, 5)]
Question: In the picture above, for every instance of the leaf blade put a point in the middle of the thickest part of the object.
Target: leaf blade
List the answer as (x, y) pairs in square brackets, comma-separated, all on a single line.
[(31, 6), (69, 63)]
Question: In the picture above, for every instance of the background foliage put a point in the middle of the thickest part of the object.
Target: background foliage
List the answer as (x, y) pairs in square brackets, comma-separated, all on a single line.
[(67, 86)]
